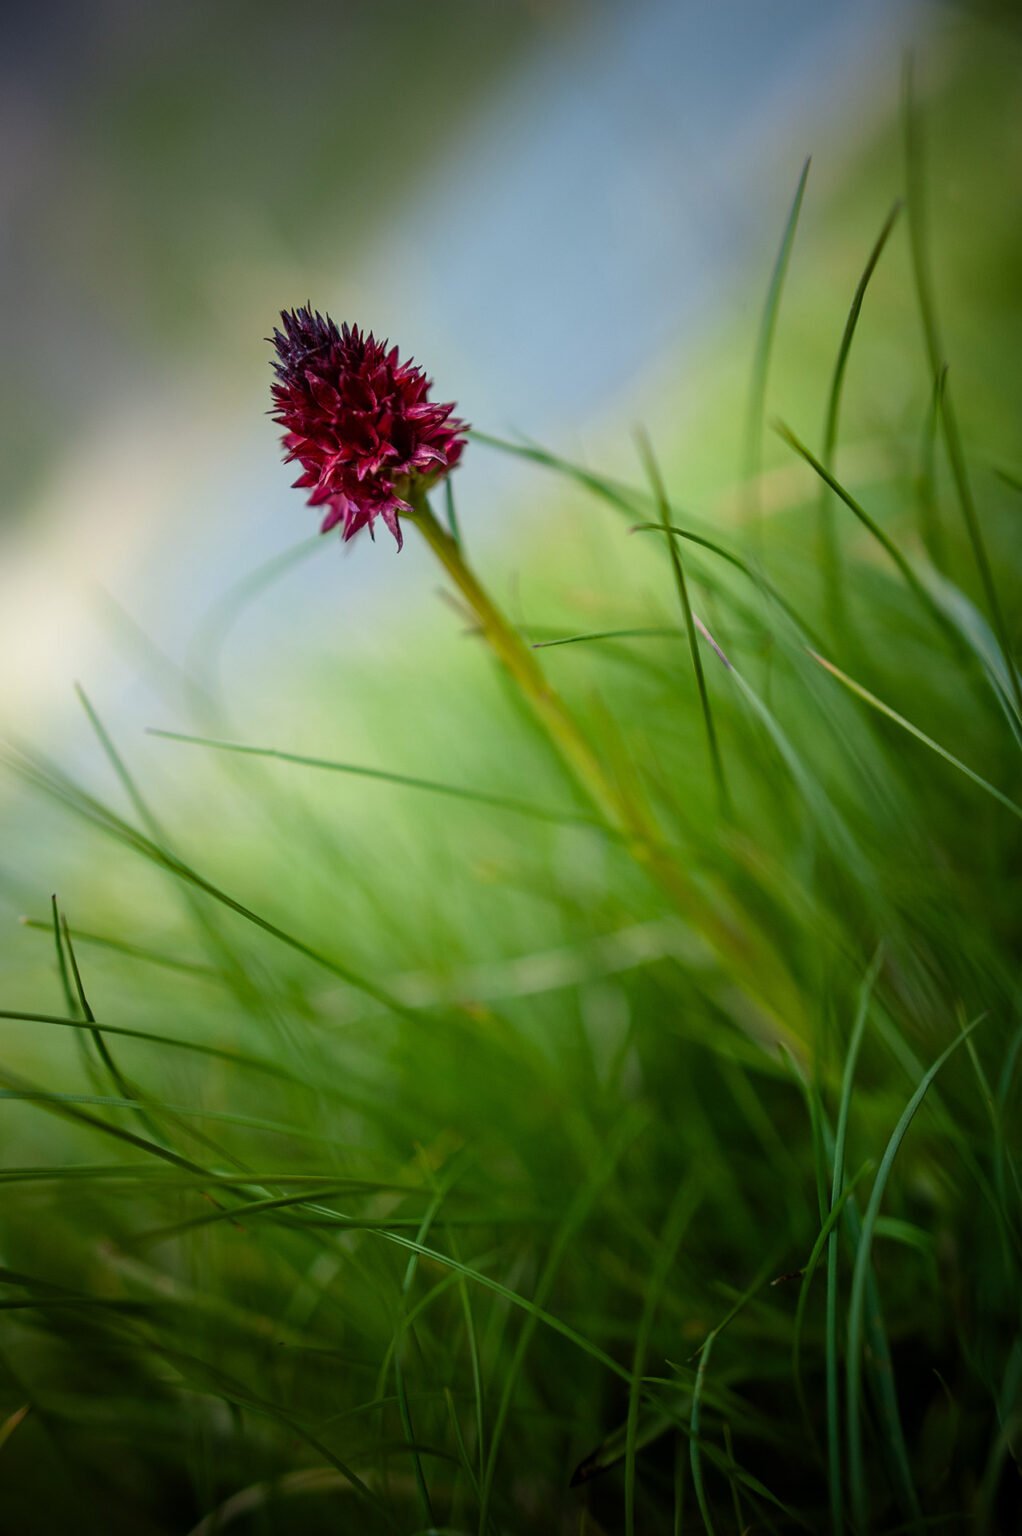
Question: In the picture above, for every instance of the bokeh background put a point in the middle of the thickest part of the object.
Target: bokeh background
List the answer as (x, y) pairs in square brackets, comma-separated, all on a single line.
[(548, 203), (566, 209), (569, 212)]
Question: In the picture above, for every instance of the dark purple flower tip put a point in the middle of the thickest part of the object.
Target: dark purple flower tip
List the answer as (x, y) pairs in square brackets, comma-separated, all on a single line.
[(358, 421)]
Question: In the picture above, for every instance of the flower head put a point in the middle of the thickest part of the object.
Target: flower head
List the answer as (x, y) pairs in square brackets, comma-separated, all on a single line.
[(359, 421)]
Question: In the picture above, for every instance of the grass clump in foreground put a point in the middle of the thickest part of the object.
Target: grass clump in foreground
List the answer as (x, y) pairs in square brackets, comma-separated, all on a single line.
[(605, 1123)]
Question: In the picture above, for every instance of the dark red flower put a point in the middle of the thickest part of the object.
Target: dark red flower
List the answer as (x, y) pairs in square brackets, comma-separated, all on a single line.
[(359, 421)]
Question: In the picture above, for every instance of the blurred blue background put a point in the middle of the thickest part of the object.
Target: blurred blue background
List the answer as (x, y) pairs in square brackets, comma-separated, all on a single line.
[(551, 204)]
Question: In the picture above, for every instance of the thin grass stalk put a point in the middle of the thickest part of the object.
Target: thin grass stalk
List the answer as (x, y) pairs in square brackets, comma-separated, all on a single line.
[(682, 1211), (836, 1199), (761, 360), (833, 589), (858, 1299), (660, 497), (915, 197)]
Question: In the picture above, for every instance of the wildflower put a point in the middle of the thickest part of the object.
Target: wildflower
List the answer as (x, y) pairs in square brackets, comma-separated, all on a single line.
[(359, 421)]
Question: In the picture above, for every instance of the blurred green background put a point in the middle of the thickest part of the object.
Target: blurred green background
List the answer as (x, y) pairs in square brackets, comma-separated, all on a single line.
[(554, 205), (569, 213)]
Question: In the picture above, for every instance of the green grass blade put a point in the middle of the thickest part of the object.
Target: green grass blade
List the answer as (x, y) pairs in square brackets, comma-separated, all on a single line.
[(747, 570), (857, 1299), (886, 543), (828, 547), (756, 410), (836, 1199), (660, 632), (85, 805), (621, 497), (660, 497), (130, 951), (405, 781), (913, 730), (827, 1227), (682, 1212), (694, 1446), (915, 185), (830, 429), (450, 510), (404, 1406)]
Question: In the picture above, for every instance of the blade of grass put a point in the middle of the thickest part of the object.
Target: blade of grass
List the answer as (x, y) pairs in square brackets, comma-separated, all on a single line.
[(123, 1087), (755, 577), (834, 591), (836, 1197), (406, 781), (101, 816), (918, 242), (233, 1058), (399, 1378), (857, 1299), (756, 410), (129, 950), (661, 633), (452, 516), (696, 1447), (827, 1228), (912, 581), (929, 520), (621, 497), (913, 730), (683, 1209), (660, 497)]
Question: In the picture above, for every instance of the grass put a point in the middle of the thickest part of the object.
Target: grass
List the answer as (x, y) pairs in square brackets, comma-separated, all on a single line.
[(577, 1089)]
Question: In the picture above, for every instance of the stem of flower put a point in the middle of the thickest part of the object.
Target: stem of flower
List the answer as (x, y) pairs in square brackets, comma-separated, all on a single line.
[(622, 810), (518, 658)]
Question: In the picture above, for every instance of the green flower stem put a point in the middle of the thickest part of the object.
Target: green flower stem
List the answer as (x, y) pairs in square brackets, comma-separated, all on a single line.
[(622, 811), (520, 661)]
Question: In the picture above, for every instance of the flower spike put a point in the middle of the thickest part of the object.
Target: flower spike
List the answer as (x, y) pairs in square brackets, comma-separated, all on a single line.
[(358, 421)]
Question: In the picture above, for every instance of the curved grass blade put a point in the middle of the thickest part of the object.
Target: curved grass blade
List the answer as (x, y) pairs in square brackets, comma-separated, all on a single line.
[(660, 497), (446, 1261), (399, 1377), (451, 512), (224, 1117), (764, 346), (696, 1448), (913, 730), (740, 565), (130, 951), (405, 781), (857, 1299), (233, 1058), (682, 1212), (61, 788), (621, 497), (915, 192), (808, 1274), (828, 546), (981, 640), (836, 1196), (912, 581), (120, 1082), (219, 944), (652, 633), (64, 1106), (930, 530)]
